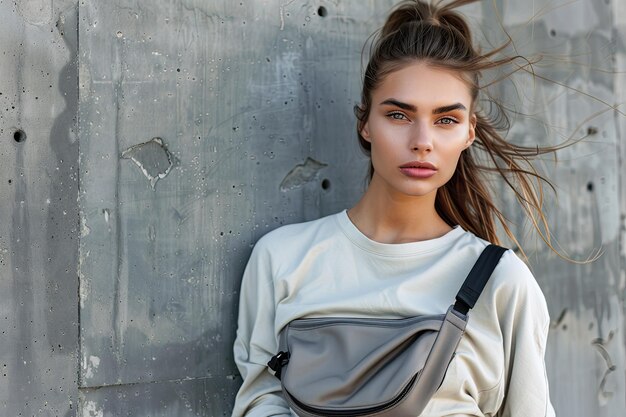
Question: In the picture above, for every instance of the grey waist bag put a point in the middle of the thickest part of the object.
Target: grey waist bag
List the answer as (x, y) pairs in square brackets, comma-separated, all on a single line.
[(374, 367)]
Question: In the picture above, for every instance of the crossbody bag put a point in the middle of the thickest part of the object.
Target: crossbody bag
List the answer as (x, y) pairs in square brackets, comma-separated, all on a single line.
[(374, 367)]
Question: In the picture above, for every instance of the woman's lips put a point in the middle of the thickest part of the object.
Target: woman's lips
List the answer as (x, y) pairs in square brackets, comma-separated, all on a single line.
[(415, 172), (418, 169)]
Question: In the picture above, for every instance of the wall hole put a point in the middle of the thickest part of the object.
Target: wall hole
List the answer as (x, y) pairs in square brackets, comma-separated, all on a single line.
[(321, 11), (19, 135), (590, 186), (553, 33), (325, 184)]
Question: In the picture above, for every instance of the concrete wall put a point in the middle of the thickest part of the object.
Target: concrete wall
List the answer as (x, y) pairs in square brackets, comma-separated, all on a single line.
[(163, 138), (580, 44), (39, 232)]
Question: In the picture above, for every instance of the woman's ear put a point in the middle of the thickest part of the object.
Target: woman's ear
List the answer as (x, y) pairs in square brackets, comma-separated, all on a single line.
[(472, 131), (365, 131)]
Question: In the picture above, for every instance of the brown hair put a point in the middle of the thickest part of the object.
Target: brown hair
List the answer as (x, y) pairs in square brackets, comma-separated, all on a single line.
[(439, 36)]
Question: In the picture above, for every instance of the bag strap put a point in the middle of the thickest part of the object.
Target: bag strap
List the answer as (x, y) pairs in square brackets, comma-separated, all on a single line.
[(477, 278)]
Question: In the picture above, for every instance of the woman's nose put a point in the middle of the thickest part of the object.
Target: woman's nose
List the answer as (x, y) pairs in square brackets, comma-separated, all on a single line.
[(421, 139)]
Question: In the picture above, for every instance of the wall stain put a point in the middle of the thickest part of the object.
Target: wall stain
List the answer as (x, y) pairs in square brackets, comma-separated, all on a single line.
[(153, 158), (301, 174), (599, 343), (559, 320)]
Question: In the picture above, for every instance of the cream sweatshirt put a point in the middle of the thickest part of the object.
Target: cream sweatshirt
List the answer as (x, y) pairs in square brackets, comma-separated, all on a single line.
[(327, 267)]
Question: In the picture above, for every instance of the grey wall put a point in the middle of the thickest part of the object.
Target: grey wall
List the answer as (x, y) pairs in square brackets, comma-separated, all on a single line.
[(39, 232), (163, 138), (580, 43)]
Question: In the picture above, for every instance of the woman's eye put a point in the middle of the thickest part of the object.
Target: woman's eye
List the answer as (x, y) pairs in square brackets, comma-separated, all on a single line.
[(394, 114), (447, 121)]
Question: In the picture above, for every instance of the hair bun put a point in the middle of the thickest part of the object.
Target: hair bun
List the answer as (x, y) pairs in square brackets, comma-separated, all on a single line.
[(405, 12), (419, 11)]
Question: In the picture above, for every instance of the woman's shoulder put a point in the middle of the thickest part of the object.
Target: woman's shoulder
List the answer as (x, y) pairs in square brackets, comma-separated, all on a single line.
[(511, 279), (513, 274), (515, 288)]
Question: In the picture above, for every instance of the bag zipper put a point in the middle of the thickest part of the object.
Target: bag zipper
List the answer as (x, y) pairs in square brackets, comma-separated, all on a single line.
[(313, 322), (362, 412)]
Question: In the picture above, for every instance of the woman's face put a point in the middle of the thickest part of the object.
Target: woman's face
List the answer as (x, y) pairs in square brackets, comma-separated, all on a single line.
[(418, 126)]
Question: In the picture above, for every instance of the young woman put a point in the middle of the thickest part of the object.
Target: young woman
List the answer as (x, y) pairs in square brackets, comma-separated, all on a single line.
[(407, 245)]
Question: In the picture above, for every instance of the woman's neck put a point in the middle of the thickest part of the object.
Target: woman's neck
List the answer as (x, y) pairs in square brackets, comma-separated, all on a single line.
[(388, 217)]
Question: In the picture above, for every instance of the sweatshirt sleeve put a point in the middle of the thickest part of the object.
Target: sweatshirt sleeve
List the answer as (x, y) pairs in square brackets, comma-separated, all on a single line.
[(525, 328), (260, 394)]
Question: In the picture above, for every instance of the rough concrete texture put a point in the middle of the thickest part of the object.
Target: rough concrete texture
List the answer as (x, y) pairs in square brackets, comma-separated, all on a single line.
[(585, 353), (202, 126), (39, 226)]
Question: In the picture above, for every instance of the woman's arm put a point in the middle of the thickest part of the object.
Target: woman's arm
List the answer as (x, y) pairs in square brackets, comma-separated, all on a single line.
[(525, 324), (260, 394)]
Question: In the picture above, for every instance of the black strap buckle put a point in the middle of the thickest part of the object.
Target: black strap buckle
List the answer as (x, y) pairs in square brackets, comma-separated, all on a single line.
[(277, 362), (477, 278)]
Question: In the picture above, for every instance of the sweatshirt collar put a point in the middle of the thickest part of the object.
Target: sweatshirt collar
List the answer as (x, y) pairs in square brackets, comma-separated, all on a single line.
[(394, 249)]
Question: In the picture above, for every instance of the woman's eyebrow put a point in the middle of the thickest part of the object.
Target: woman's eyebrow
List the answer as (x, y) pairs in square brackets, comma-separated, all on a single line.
[(410, 107), (405, 106), (445, 109)]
